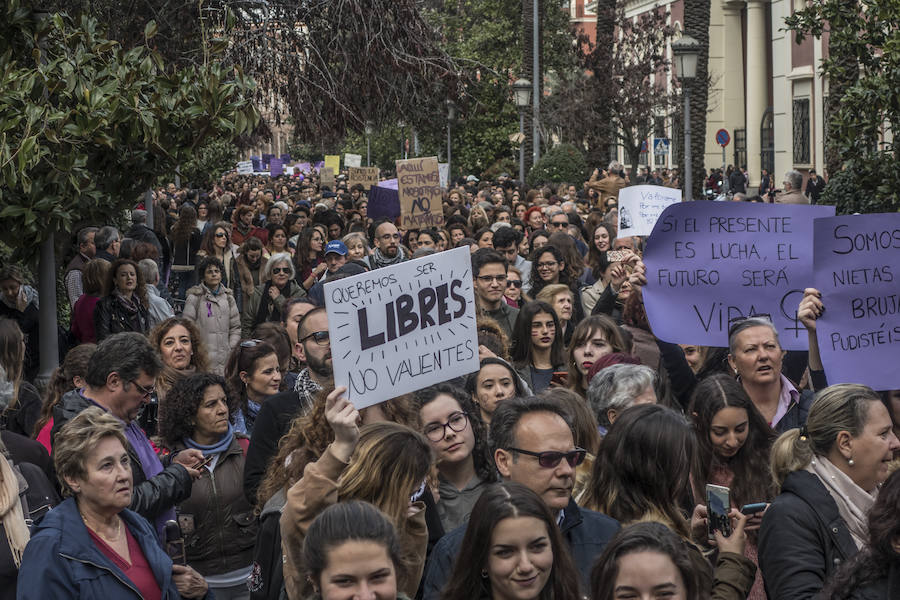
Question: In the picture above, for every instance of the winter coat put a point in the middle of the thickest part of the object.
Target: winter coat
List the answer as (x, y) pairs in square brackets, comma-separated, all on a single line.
[(802, 540), (150, 497), (22, 417), (218, 320), (28, 321), (61, 560), (886, 588), (251, 318), (218, 524), (111, 317)]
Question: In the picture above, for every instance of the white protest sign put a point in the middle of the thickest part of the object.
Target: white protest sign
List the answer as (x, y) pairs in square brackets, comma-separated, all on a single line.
[(444, 172), (641, 205), (352, 160), (245, 167), (399, 329)]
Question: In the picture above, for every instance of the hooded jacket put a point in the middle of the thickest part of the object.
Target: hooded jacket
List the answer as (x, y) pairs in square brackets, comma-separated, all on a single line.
[(61, 561), (217, 318)]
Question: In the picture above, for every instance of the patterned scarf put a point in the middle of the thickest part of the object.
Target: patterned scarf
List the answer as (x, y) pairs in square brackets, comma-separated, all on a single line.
[(379, 260)]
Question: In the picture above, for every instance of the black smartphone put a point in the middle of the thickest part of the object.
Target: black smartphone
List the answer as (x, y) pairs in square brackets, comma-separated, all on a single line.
[(175, 543), (718, 505), (752, 509)]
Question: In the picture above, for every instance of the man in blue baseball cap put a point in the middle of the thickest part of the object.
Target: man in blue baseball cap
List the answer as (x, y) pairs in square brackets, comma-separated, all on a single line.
[(335, 257)]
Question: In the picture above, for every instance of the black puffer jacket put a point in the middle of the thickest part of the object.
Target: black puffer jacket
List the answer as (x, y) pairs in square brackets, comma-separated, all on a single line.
[(111, 317), (150, 497), (802, 540)]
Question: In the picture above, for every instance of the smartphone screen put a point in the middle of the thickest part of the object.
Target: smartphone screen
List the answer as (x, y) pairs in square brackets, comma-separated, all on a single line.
[(718, 505), (616, 255)]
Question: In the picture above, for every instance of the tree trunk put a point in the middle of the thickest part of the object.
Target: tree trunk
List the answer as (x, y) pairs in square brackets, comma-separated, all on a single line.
[(603, 57), (696, 25), (528, 71)]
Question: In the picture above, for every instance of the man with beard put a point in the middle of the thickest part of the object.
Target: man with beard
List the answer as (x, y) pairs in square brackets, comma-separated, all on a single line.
[(388, 250), (274, 418)]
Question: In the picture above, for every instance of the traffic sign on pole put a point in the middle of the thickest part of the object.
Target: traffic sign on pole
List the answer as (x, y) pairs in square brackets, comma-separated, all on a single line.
[(661, 146), (722, 137)]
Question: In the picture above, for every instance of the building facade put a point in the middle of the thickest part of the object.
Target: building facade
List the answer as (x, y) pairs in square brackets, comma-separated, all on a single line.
[(765, 89)]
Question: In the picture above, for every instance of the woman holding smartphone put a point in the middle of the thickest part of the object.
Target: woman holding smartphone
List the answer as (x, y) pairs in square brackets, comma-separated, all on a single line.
[(733, 443), (538, 351)]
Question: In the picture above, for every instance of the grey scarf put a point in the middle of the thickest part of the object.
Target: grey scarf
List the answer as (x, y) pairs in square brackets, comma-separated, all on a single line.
[(379, 260)]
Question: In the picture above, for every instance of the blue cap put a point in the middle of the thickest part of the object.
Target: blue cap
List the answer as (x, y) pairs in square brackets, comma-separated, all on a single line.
[(336, 246)]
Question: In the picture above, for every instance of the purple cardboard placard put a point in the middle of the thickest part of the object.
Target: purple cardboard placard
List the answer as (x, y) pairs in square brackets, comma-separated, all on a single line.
[(711, 262), (384, 200), (276, 167), (857, 270)]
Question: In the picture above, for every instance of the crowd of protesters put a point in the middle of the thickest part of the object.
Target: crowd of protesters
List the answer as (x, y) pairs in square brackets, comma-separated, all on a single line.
[(192, 443)]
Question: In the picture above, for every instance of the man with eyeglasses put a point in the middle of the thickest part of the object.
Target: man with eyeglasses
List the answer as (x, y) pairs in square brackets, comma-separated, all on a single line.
[(121, 377), (533, 443), (388, 250), (274, 419), (506, 242), (489, 277)]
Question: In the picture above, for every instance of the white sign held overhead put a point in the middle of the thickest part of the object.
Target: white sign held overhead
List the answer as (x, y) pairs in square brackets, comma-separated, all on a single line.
[(641, 205), (245, 167), (352, 160), (402, 328), (444, 173)]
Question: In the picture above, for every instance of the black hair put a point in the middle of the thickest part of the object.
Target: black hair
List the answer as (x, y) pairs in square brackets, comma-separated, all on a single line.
[(128, 354), (508, 413), (178, 414), (521, 346), (507, 236), (486, 256)]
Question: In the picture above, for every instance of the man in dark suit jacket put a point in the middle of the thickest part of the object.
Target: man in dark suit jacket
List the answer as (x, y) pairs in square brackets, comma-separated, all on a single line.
[(815, 185)]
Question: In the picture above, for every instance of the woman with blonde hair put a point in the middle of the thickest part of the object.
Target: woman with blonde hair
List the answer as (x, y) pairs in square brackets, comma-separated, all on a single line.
[(382, 463), (828, 472)]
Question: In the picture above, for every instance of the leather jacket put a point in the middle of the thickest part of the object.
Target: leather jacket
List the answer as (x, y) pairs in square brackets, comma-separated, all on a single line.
[(150, 497), (111, 317)]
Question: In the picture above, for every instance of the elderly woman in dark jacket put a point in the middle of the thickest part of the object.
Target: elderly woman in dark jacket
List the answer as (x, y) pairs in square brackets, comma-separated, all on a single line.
[(124, 307), (829, 472), (218, 523), (91, 546)]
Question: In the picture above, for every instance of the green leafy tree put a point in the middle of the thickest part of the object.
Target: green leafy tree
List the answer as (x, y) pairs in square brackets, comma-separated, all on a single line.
[(208, 162), (863, 71), (561, 164), (86, 126)]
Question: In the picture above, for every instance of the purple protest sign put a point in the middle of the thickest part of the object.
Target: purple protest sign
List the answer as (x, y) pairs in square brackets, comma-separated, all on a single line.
[(857, 262), (276, 167), (709, 263)]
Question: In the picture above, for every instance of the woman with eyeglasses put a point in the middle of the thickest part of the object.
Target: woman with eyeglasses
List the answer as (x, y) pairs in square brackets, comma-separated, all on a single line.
[(538, 350), (124, 307), (309, 260), (452, 424), (212, 307), (268, 299), (252, 374), (514, 295), (548, 266), (217, 244), (383, 463)]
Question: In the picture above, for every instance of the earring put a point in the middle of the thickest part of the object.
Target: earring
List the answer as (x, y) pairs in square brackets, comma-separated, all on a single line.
[(484, 574), (850, 462)]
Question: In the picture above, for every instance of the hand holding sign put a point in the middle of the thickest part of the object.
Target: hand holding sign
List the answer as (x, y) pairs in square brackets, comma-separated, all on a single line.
[(344, 421)]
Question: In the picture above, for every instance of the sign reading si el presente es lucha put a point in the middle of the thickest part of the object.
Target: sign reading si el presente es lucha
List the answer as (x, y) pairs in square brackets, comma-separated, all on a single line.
[(709, 263), (401, 328)]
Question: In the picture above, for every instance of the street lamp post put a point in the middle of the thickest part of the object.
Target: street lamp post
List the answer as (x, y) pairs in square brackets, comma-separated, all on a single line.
[(687, 52), (369, 129), (522, 98), (451, 117)]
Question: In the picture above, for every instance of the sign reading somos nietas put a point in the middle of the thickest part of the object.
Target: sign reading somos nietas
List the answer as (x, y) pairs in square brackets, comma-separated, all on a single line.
[(402, 328)]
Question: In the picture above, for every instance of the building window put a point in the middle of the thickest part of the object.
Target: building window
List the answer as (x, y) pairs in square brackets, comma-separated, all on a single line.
[(801, 131), (740, 148), (659, 127)]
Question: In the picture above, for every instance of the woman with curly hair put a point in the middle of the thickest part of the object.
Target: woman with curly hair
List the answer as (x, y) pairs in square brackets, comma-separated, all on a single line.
[(452, 424), (65, 378), (217, 522)]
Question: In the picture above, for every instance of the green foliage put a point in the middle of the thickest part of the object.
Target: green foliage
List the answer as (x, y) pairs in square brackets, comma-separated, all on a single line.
[(85, 126), (209, 161), (863, 70), (561, 164)]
